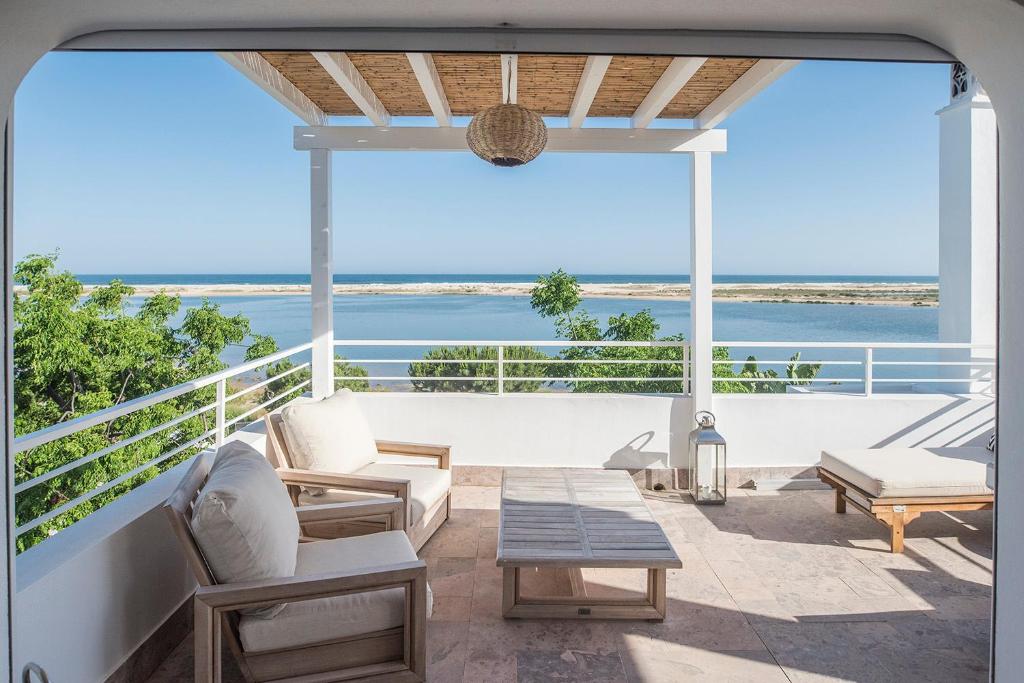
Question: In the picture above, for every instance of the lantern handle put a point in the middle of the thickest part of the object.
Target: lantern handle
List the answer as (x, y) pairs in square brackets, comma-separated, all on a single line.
[(705, 418)]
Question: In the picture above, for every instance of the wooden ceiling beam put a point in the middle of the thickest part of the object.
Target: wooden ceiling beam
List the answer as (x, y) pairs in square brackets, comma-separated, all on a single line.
[(757, 78), (586, 89), (676, 75), (348, 78), (430, 82), (253, 66), (509, 78)]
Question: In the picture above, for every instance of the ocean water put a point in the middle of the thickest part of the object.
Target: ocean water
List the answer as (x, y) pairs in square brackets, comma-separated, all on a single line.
[(463, 278), (489, 318)]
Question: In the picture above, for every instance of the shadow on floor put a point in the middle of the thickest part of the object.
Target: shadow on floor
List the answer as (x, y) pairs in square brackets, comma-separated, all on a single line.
[(773, 588)]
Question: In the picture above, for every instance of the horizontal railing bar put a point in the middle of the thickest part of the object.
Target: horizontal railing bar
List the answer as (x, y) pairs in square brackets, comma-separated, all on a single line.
[(456, 342), (413, 360), (62, 429), (678, 378), (791, 380), (107, 450), (986, 364), (942, 381), (856, 345), (758, 361), (278, 397), (508, 361), (42, 519), (269, 380), (507, 378)]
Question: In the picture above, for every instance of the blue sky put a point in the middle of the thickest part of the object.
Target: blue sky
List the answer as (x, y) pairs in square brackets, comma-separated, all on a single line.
[(175, 163)]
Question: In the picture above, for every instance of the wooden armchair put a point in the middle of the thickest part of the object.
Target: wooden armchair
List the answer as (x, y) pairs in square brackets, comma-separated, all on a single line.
[(426, 492), (309, 652)]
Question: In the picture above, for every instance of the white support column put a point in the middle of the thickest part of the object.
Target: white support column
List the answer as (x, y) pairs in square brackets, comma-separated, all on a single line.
[(321, 271), (968, 223), (700, 279)]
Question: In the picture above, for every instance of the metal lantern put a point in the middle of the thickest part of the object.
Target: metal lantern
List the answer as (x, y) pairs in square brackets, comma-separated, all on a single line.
[(507, 135), (707, 462)]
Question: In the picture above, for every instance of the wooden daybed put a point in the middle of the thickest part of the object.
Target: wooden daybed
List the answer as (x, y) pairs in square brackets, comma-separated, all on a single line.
[(895, 485)]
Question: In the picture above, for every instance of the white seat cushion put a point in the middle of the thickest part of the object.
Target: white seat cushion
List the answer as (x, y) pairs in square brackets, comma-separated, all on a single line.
[(912, 472), (327, 619), (331, 435), (427, 486), (243, 519)]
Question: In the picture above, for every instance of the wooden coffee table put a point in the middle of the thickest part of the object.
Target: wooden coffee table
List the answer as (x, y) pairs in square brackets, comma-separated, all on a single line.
[(575, 518)]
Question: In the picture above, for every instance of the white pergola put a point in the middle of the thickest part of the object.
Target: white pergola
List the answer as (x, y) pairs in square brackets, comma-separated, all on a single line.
[(698, 144)]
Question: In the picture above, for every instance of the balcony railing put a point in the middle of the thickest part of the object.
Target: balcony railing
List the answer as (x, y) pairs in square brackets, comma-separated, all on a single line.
[(667, 370), (872, 366), (215, 435), (506, 367)]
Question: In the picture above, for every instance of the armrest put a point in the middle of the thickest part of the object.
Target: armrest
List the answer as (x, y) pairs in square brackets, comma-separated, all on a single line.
[(337, 480), (399, 488), (236, 596), (392, 508), (442, 454)]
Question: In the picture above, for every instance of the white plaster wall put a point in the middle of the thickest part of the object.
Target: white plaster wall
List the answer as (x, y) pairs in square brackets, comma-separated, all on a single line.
[(538, 430), (96, 591), (551, 430), (785, 431)]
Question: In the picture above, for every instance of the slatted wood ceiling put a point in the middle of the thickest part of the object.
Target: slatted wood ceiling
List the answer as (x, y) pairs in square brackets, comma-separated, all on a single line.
[(546, 83)]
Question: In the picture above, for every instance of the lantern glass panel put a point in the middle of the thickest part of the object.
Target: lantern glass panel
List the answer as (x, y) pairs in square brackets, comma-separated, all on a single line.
[(707, 462)]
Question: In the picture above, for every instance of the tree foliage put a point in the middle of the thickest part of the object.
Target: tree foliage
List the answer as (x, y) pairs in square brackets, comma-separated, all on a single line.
[(558, 296), (75, 355), (478, 365)]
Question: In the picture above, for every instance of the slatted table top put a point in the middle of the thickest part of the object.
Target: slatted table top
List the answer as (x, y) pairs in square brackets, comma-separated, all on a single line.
[(578, 518)]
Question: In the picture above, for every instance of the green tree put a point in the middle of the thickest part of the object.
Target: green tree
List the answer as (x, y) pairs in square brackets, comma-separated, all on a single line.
[(558, 296), (75, 355), (478, 365)]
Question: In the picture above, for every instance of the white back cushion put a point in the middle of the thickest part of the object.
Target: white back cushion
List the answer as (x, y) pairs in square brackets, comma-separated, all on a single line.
[(244, 522), (331, 435)]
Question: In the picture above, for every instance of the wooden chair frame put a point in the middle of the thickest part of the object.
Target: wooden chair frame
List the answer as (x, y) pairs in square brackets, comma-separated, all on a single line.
[(397, 654), (897, 513), (419, 533)]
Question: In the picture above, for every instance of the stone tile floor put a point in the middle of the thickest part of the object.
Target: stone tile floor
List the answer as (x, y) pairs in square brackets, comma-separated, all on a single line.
[(775, 587)]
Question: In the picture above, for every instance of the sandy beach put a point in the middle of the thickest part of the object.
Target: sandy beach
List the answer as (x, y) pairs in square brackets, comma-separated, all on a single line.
[(796, 292)]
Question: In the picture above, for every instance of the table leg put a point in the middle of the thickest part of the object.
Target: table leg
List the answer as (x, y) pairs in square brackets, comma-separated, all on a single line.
[(510, 589)]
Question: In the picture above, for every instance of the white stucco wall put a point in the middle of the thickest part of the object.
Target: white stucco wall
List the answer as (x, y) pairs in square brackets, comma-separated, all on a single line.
[(96, 591), (542, 430)]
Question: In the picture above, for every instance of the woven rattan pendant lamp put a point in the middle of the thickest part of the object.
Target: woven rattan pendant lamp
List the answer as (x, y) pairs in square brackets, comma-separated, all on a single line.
[(507, 134)]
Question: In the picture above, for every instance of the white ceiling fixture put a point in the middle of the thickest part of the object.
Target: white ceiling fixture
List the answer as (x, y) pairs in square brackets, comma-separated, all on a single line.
[(422, 64), (586, 89), (757, 78), (347, 76), (678, 74)]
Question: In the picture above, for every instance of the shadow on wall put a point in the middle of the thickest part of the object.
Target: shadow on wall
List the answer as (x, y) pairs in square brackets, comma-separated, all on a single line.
[(632, 454), (963, 430)]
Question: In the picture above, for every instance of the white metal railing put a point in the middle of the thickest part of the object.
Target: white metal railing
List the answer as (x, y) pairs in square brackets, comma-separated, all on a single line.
[(976, 360), (217, 433), (501, 363)]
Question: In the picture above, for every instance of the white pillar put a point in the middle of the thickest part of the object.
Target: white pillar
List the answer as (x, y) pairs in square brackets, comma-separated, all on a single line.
[(321, 271), (968, 223), (700, 279)]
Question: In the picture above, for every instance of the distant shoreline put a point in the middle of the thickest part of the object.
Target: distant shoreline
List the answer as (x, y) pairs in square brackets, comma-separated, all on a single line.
[(873, 294)]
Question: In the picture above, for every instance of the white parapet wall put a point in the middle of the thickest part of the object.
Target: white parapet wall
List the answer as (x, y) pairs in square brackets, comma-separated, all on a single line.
[(89, 597), (609, 430)]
